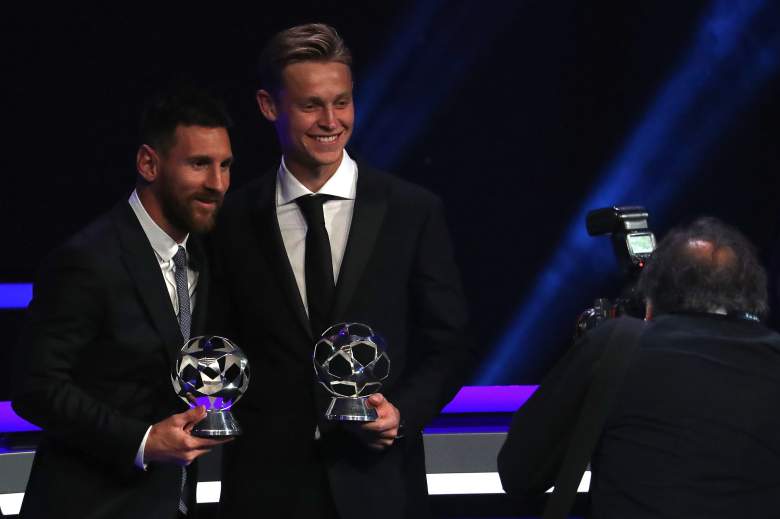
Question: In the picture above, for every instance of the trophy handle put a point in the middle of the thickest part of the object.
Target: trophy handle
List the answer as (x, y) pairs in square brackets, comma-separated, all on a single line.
[(344, 409)]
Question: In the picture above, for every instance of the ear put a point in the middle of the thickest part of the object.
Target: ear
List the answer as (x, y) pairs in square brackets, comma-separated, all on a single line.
[(147, 163), (267, 105)]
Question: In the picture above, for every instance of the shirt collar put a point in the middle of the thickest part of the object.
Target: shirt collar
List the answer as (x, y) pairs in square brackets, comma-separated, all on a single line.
[(164, 246), (341, 185)]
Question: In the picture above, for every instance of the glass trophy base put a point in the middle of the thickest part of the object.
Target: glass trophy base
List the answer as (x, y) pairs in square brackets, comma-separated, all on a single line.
[(217, 424), (344, 409)]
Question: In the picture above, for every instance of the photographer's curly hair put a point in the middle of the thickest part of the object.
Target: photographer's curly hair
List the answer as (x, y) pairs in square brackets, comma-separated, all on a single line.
[(706, 266)]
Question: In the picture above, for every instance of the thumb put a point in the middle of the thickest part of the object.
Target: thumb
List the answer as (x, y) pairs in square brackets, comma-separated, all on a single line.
[(376, 399), (194, 415)]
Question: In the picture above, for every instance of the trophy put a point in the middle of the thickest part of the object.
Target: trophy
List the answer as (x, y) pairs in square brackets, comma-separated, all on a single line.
[(350, 361), (213, 372)]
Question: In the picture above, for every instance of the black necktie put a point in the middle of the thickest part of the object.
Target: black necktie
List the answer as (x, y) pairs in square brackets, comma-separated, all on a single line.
[(320, 287)]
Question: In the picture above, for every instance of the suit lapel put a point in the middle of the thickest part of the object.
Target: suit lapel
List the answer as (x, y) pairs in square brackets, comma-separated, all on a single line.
[(367, 218), (141, 262), (272, 246)]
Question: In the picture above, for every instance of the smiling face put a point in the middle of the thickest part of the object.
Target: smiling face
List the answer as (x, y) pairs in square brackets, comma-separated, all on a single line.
[(185, 185), (313, 115)]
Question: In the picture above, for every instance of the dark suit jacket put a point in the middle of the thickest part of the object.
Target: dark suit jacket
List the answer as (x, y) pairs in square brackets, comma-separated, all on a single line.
[(98, 349), (398, 276), (694, 429)]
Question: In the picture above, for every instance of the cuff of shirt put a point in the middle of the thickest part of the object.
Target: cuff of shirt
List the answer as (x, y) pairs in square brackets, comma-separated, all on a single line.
[(139, 456)]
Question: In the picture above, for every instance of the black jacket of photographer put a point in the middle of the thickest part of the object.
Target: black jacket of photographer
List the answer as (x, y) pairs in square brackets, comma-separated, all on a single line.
[(693, 431)]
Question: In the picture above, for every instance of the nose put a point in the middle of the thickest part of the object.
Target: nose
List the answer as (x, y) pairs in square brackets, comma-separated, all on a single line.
[(328, 118), (218, 179)]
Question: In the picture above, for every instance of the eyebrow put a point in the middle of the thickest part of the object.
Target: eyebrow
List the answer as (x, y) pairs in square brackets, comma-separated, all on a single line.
[(208, 158), (199, 158), (319, 100)]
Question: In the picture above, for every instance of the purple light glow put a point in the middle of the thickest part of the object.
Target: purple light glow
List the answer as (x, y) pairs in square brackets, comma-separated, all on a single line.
[(220, 404), (470, 399), (489, 399), (15, 296), (10, 422)]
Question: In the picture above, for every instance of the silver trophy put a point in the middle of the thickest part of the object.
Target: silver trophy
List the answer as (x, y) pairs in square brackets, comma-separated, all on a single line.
[(213, 372), (350, 361)]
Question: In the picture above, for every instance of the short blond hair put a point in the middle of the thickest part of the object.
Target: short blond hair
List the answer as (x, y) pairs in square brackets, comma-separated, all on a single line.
[(309, 42)]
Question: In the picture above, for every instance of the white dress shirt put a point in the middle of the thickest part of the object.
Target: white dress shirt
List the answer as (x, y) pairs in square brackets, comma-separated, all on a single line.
[(337, 213), (164, 248)]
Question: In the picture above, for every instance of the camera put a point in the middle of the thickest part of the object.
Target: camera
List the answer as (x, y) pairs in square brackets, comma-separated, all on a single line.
[(633, 244)]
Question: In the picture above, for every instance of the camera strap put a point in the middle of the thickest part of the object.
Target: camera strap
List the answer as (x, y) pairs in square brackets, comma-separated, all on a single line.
[(620, 348)]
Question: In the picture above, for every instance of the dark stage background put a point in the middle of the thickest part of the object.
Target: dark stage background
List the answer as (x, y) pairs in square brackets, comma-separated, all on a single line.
[(521, 115)]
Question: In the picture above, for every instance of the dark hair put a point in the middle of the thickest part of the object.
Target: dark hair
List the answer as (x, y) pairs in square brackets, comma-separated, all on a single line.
[(703, 267), (179, 105), (310, 42)]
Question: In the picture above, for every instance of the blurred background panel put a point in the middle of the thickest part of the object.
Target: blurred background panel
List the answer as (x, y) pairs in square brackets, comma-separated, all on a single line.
[(521, 115)]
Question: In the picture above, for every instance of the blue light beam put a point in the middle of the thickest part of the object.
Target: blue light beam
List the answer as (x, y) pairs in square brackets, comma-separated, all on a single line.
[(435, 46), (735, 51)]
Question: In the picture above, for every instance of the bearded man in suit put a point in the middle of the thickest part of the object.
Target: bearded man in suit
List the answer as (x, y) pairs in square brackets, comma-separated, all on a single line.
[(323, 239), (110, 311)]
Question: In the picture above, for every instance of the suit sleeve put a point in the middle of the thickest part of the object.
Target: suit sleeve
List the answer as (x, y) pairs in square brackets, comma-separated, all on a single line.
[(438, 349), (64, 320), (541, 429)]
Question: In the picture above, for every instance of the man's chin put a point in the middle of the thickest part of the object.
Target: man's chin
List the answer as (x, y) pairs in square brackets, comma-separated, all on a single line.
[(203, 225), (200, 221), (321, 158)]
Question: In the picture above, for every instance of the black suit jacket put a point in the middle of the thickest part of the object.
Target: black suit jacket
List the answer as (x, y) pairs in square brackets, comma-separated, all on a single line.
[(693, 432), (98, 348), (398, 276)]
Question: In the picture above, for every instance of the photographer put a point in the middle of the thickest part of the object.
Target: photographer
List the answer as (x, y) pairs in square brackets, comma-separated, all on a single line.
[(692, 430)]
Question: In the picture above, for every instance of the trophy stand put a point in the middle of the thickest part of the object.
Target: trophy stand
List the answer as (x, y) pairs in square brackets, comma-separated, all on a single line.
[(217, 424), (350, 410)]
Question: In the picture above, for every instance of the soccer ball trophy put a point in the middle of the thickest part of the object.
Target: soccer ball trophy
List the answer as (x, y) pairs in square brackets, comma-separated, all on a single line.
[(213, 372), (350, 361)]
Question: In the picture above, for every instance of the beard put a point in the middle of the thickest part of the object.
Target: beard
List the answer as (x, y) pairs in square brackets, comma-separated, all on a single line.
[(181, 212)]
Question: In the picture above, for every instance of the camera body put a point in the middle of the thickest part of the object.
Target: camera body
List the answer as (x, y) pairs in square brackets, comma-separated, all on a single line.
[(633, 244)]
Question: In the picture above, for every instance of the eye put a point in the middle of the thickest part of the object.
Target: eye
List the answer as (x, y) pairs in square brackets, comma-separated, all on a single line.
[(199, 162)]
